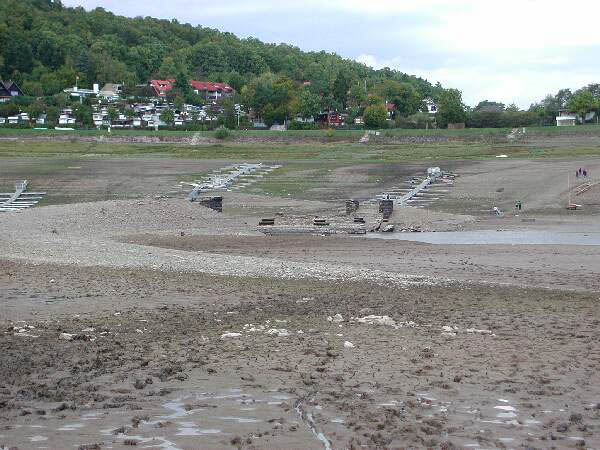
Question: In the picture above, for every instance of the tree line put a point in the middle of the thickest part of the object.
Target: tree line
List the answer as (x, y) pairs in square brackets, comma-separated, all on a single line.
[(47, 47)]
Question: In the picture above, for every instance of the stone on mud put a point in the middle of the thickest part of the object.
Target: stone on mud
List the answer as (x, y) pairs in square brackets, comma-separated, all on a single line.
[(230, 335)]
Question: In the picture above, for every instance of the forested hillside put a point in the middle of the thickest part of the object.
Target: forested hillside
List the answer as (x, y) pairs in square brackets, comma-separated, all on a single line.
[(46, 45)]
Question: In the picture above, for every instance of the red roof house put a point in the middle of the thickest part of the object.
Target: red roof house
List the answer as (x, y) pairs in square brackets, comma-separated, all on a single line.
[(161, 87), (209, 89)]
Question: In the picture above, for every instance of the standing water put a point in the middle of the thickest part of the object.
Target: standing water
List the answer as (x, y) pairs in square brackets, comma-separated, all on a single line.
[(496, 237)]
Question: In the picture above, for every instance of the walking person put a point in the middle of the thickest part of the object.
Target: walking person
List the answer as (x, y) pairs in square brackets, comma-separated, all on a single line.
[(584, 173)]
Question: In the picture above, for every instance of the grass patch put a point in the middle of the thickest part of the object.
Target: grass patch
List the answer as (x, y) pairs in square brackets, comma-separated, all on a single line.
[(329, 151), (467, 133)]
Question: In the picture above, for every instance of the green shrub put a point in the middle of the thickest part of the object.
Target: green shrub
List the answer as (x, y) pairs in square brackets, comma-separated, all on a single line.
[(295, 125), (375, 116), (222, 133)]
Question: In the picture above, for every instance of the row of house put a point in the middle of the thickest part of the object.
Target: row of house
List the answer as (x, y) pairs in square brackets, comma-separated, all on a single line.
[(147, 115), (113, 91)]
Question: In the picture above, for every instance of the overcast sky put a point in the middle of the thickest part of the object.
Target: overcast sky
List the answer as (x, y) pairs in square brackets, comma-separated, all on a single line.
[(509, 51)]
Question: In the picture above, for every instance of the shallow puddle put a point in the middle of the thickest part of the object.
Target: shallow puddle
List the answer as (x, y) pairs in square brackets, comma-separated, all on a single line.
[(490, 237)]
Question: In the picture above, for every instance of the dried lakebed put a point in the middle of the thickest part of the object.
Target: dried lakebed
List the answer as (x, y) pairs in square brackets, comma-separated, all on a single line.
[(441, 367), (107, 343)]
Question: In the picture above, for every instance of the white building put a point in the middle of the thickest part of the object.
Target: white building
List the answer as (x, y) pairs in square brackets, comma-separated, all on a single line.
[(79, 92), (111, 91), (430, 105), (66, 117), (566, 118)]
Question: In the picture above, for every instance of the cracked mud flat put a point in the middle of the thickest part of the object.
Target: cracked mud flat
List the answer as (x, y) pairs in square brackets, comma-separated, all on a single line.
[(474, 367)]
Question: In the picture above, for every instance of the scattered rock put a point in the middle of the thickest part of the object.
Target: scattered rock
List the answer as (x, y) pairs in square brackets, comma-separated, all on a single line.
[(279, 332), (96, 446), (120, 430), (336, 319), (348, 344), (576, 418), (73, 337), (377, 320), (230, 335), (475, 330)]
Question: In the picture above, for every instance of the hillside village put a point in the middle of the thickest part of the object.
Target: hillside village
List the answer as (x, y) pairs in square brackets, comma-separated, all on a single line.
[(110, 107), (157, 105)]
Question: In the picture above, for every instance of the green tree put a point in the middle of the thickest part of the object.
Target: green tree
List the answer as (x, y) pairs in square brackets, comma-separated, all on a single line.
[(36, 109), (129, 113), (83, 65), (374, 100), (375, 116), (112, 114), (594, 88), (404, 95), (52, 113), (168, 116), (229, 114), (60, 100), (236, 81), (179, 102), (357, 95), (83, 115), (309, 104), (33, 88), (106, 69), (17, 54), (487, 106), (182, 84), (8, 109), (341, 85), (582, 102), (209, 57), (450, 108), (562, 97)]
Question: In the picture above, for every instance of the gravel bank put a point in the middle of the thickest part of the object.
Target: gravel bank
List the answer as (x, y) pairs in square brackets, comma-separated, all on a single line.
[(86, 234)]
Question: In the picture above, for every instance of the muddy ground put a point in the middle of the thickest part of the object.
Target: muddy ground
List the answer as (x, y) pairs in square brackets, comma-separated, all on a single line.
[(162, 324), (513, 367)]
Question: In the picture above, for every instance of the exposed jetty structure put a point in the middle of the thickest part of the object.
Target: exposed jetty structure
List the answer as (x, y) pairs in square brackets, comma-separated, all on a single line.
[(419, 191), (19, 200), (224, 179)]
